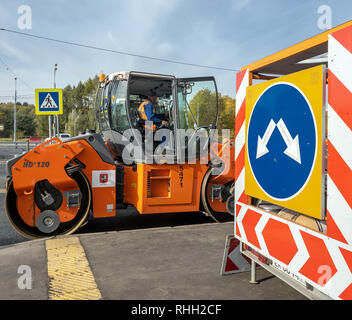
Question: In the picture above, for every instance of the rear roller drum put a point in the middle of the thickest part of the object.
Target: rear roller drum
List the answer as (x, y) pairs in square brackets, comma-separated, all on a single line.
[(230, 205), (205, 201)]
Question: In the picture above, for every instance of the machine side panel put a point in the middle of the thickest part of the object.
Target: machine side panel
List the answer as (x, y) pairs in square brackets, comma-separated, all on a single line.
[(101, 176), (164, 188)]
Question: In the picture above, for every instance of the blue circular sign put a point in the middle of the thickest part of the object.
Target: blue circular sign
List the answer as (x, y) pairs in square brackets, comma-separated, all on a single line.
[(282, 141)]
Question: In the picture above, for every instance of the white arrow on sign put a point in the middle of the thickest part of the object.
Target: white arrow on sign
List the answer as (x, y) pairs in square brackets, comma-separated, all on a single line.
[(292, 149), (262, 142)]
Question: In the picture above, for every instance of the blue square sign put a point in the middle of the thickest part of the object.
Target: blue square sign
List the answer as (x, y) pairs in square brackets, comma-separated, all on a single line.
[(48, 101)]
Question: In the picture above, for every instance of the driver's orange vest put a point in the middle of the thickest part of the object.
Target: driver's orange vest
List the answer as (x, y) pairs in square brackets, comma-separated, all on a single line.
[(143, 115)]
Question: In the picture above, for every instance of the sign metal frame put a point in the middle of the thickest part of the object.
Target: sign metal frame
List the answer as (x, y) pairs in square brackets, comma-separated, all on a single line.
[(310, 199), (37, 106)]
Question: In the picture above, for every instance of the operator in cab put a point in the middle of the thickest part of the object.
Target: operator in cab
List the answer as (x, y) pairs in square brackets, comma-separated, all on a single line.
[(146, 112)]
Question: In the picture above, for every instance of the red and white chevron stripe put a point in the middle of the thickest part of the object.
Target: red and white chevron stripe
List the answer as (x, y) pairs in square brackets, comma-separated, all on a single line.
[(306, 255), (242, 82), (339, 181), (234, 261)]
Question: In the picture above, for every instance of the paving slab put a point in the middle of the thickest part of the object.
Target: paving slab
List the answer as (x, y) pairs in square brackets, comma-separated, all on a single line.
[(166, 263)]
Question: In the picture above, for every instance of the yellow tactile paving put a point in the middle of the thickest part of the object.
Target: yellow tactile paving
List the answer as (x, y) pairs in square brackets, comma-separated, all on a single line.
[(70, 277)]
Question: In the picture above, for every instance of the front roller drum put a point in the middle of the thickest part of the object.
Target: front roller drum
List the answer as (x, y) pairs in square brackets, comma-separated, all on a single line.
[(48, 221)]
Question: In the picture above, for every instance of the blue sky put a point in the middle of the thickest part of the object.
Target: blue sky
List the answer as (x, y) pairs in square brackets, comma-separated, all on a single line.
[(227, 34)]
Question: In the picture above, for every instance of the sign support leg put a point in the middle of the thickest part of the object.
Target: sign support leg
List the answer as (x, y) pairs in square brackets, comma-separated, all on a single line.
[(50, 133), (253, 273)]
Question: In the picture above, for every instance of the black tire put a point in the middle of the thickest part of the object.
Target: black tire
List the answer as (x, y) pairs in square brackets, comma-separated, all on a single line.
[(230, 205), (204, 199)]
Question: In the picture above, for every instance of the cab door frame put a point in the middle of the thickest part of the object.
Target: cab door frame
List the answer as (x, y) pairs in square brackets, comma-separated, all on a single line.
[(179, 150)]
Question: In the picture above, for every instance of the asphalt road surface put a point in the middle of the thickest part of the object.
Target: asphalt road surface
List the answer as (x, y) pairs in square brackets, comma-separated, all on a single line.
[(127, 219), (9, 149), (7, 234)]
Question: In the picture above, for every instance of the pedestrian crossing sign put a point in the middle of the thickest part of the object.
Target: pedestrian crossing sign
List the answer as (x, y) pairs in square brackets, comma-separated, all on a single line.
[(48, 101)]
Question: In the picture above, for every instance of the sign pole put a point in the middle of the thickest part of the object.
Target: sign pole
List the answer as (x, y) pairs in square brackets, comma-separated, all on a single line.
[(50, 135), (14, 114), (55, 117)]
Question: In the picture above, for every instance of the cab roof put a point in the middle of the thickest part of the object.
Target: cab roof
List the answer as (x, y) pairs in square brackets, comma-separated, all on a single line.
[(125, 74)]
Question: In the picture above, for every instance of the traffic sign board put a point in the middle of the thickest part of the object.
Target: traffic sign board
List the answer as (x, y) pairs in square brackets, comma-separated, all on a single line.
[(48, 101), (276, 157), (284, 141)]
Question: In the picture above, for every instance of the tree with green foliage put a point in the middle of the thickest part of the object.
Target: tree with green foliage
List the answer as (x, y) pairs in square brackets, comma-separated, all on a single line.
[(227, 113), (79, 103), (6, 119), (25, 121), (42, 125), (203, 108), (205, 103)]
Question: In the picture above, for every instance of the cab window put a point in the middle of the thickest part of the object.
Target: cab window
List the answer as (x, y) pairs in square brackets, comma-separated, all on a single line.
[(118, 111), (197, 103), (103, 108)]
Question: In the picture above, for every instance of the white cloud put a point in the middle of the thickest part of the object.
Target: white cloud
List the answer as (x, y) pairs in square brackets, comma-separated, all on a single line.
[(238, 5), (12, 51), (165, 49)]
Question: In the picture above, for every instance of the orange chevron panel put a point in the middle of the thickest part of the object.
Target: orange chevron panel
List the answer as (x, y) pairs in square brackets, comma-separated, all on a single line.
[(279, 241), (243, 198), (333, 231), (348, 257), (319, 257), (249, 222), (238, 208), (347, 294)]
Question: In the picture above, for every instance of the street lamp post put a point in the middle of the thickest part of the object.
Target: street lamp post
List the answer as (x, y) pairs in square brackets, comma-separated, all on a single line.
[(55, 118), (55, 69), (14, 115), (53, 122)]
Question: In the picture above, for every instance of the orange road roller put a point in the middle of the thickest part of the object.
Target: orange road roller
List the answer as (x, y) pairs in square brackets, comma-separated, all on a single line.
[(176, 165)]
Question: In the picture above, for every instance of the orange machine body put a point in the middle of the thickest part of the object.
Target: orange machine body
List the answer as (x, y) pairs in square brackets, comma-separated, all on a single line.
[(150, 188), (163, 188), (48, 161)]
